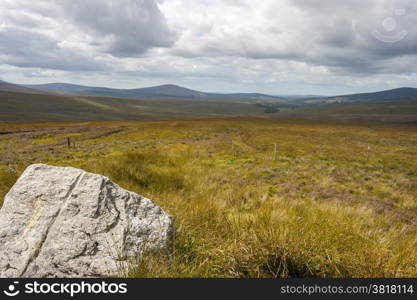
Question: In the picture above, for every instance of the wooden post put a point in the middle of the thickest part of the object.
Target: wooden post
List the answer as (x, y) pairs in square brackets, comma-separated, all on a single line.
[(233, 149), (368, 153), (69, 142), (275, 152)]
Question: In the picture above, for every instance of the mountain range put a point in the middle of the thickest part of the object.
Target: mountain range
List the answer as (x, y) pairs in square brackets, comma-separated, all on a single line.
[(404, 93), (168, 91), (161, 91), (62, 101), (10, 87)]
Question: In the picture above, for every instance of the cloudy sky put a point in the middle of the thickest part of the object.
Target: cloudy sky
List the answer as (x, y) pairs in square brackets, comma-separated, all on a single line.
[(271, 46)]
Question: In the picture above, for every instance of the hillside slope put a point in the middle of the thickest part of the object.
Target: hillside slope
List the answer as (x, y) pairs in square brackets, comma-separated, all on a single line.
[(170, 91), (9, 87), (385, 111), (23, 107), (400, 94)]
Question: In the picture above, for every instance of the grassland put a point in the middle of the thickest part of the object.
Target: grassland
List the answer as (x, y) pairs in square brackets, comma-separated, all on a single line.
[(21, 107), (394, 112), (335, 200)]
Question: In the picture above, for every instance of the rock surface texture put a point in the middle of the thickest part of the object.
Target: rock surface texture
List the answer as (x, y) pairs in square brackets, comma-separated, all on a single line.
[(64, 222)]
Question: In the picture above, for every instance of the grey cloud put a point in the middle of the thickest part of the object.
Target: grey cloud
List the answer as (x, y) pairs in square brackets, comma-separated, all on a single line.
[(79, 35), (241, 40), (338, 35), (123, 28), (348, 41), (34, 50)]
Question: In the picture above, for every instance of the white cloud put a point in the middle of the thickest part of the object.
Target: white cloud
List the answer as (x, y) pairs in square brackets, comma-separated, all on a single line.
[(321, 46)]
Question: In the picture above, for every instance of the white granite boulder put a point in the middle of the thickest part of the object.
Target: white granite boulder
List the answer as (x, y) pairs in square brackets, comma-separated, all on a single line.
[(65, 222)]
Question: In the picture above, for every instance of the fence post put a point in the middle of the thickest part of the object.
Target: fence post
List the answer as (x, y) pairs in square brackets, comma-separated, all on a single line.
[(69, 142), (275, 151)]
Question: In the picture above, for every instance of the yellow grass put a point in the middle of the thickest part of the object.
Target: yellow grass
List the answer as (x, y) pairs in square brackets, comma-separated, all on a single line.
[(324, 207)]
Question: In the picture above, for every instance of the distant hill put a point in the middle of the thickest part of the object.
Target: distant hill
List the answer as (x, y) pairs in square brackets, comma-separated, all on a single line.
[(384, 111), (32, 107), (169, 90), (390, 106), (247, 96), (400, 94), (61, 101), (161, 91), (300, 97), (9, 87)]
